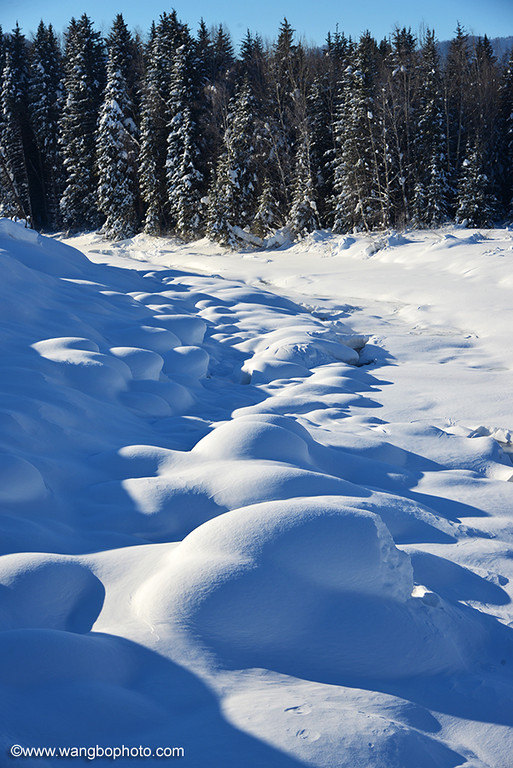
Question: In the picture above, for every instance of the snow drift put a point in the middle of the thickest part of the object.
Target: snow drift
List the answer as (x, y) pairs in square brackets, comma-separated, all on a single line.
[(210, 519)]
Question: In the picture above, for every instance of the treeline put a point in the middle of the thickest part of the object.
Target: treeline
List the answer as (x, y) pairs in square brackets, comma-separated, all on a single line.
[(177, 134)]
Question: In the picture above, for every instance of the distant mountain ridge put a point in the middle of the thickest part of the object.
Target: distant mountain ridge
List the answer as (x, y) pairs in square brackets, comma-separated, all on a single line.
[(501, 45)]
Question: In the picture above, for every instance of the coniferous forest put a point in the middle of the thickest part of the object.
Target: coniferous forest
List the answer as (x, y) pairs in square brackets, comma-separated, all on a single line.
[(177, 134)]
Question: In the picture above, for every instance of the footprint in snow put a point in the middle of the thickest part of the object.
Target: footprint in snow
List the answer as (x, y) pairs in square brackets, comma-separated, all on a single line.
[(307, 735), (301, 709)]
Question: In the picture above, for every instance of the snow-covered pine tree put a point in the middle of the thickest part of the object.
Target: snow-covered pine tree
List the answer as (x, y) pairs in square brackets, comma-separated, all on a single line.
[(204, 49), (116, 151), (485, 116), (83, 82), (321, 115), (402, 118), (360, 182), (16, 199), (45, 107), (125, 53), (457, 100), (506, 139), (166, 37), (233, 195), (303, 217), (477, 205), (267, 217), (281, 119), (184, 179), (224, 58), (432, 190)]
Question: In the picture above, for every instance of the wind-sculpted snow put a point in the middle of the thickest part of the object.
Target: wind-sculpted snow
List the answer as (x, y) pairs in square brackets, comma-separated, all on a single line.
[(233, 522)]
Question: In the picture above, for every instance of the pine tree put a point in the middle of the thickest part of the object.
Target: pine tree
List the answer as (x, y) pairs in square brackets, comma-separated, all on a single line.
[(282, 122), (401, 119), (84, 80), (204, 54), (183, 177), (232, 198), (223, 57), (321, 114), (506, 140), (125, 54), (361, 198), (432, 190), (477, 205), (16, 198), (46, 97), (117, 156), (457, 90), (303, 217), (167, 36), (267, 217)]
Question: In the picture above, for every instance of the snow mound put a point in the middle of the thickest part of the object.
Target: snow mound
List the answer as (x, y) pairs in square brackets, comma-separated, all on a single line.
[(255, 439), (143, 363), (148, 337), (48, 592), (20, 481), (312, 587), (188, 328)]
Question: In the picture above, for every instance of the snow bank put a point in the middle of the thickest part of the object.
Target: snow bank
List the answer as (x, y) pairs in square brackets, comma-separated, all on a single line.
[(307, 586), (224, 508)]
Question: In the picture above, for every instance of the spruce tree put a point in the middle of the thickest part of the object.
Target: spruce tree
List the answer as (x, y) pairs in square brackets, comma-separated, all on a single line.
[(432, 191), (83, 81), (457, 98), (46, 100), (402, 118), (117, 156), (303, 217), (14, 124), (267, 217), (232, 198), (125, 54), (361, 199), (183, 177), (321, 114), (156, 112), (506, 140), (477, 205)]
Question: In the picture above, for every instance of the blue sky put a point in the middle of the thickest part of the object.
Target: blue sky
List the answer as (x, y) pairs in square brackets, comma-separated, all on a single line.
[(311, 19)]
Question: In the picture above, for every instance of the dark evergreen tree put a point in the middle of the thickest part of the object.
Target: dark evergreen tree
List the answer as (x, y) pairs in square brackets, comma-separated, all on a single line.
[(184, 180), (321, 116), (267, 217), (477, 204), (457, 100), (84, 82), (303, 216), (156, 110), (505, 169), (124, 52), (117, 153), (233, 196), (360, 176), (15, 150), (401, 121), (223, 57), (432, 191), (46, 101)]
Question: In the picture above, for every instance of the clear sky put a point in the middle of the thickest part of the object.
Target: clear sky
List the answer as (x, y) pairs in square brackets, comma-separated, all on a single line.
[(311, 18)]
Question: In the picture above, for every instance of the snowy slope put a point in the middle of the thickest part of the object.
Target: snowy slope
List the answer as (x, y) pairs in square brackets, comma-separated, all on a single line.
[(258, 505)]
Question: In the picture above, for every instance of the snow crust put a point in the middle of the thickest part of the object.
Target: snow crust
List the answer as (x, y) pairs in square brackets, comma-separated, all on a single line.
[(258, 504)]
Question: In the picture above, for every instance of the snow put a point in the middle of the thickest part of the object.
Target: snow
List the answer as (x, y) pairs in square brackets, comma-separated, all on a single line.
[(258, 504)]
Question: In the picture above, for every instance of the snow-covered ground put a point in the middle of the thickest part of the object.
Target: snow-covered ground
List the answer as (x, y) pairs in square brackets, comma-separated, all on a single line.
[(259, 505)]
